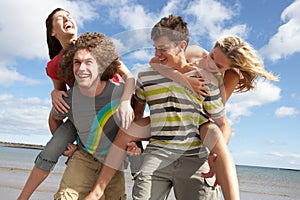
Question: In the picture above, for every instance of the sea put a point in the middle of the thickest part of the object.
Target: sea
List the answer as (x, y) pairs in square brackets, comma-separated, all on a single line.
[(259, 183)]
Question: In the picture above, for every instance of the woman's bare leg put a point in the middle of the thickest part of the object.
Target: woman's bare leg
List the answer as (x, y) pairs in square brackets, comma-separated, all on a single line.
[(139, 130), (36, 177), (224, 163)]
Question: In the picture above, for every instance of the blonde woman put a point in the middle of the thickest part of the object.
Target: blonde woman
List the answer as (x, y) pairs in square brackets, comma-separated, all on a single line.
[(236, 59)]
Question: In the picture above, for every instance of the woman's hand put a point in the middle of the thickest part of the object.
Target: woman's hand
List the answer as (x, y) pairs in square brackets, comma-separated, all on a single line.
[(71, 148), (198, 84), (58, 102), (125, 113), (211, 173), (133, 149)]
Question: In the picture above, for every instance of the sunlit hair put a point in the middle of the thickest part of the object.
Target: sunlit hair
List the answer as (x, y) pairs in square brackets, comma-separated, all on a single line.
[(173, 27), (245, 59), (54, 46), (101, 48)]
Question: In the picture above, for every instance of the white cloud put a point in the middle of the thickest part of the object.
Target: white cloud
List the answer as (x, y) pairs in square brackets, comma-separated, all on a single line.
[(127, 14), (142, 55), (132, 40), (284, 111), (288, 160), (173, 6), (285, 155), (136, 14), (202, 23), (287, 39), (137, 67), (241, 104), (23, 115), (208, 25), (10, 76)]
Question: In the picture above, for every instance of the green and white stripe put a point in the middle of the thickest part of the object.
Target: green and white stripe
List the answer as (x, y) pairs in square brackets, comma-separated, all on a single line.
[(175, 112)]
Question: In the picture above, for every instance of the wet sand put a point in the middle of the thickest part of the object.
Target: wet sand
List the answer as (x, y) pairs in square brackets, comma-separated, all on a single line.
[(13, 179)]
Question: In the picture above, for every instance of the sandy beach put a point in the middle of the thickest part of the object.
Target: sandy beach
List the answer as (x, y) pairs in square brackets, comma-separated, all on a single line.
[(13, 179), (16, 164), (15, 169), (256, 183)]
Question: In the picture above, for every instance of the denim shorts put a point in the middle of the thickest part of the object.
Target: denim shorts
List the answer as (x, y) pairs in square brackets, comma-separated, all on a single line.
[(48, 157)]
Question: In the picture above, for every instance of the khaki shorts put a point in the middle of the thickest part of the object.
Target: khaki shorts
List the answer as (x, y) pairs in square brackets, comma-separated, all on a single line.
[(80, 176)]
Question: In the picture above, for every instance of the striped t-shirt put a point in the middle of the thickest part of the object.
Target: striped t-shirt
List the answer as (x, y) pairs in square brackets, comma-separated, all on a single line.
[(175, 112), (94, 117)]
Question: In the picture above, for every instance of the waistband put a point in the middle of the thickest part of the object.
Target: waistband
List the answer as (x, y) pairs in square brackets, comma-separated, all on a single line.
[(88, 155)]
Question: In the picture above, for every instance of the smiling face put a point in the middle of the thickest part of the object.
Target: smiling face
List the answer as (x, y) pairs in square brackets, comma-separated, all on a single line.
[(63, 25), (221, 60), (168, 53), (86, 70)]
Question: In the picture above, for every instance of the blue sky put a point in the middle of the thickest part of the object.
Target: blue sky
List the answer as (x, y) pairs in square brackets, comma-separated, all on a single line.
[(265, 122)]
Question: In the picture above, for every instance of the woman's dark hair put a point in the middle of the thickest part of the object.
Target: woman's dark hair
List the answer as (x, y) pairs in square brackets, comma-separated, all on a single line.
[(54, 46)]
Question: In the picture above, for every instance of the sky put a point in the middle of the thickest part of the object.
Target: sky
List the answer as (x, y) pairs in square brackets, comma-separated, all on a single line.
[(265, 122)]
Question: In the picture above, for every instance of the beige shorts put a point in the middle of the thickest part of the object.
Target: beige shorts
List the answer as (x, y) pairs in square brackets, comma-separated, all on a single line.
[(80, 176)]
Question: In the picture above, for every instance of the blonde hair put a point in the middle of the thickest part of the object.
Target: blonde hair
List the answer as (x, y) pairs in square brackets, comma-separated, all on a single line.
[(245, 59)]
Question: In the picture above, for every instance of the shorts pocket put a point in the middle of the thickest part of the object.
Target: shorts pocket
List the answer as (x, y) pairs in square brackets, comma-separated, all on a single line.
[(210, 181)]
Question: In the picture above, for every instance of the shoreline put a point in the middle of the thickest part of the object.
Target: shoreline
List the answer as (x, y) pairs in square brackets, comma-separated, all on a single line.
[(17, 164), (40, 147), (46, 190), (21, 145)]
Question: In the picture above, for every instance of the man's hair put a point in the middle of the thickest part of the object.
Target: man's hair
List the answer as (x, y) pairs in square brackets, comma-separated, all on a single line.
[(100, 46), (173, 27), (54, 46)]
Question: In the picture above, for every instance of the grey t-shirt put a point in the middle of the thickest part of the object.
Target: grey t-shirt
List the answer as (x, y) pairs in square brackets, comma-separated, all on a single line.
[(94, 117)]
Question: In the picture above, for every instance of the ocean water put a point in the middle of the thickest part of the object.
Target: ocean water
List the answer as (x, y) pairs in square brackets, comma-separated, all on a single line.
[(255, 182), (269, 183)]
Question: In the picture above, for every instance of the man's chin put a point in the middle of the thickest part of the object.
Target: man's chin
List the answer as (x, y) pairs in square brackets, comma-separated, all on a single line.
[(82, 85)]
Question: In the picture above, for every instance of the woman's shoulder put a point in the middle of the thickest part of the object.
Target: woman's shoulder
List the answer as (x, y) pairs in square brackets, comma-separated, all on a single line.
[(234, 73), (54, 61), (52, 67)]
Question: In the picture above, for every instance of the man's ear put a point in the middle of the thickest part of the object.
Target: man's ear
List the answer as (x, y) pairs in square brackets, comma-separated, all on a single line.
[(183, 45)]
